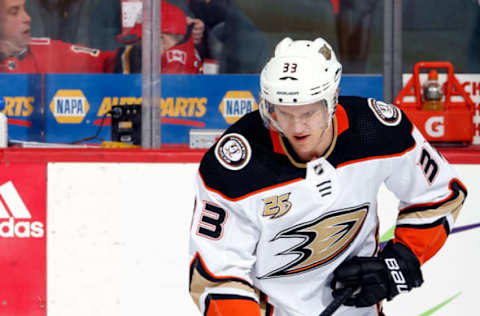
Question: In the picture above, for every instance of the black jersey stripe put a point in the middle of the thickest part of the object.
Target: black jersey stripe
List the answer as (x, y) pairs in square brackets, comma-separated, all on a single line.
[(439, 222), (238, 198), (266, 169), (365, 138)]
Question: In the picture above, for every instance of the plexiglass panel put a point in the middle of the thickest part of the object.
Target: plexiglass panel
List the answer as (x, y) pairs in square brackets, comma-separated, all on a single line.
[(72, 71), (441, 30)]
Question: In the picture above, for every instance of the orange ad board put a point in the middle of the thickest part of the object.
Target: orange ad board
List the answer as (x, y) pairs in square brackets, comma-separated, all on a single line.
[(440, 126), (440, 107)]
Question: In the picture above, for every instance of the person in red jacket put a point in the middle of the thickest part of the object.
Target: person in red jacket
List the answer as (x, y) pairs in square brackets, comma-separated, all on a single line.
[(178, 54), (19, 53)]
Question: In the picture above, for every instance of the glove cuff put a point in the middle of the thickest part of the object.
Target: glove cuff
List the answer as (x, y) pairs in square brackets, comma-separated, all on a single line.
[(404, 268)]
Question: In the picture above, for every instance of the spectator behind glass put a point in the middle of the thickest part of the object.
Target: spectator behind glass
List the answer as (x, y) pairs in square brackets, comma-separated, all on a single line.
[(231, 37), (19, 53), (178, 54), (105, 24), (473, 63), (196, 25), (353, 20), (212, 13), (64, 20)]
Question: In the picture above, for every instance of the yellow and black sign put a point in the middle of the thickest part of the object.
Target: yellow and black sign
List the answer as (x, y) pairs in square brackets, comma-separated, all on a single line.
[(18, 106), (69, 106), (235, 104)]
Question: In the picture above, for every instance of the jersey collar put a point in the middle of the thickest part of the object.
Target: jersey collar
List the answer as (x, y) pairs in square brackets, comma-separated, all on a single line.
[(20, 55)]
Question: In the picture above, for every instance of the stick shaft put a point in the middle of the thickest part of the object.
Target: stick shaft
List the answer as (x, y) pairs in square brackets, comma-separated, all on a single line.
[(339, 300)]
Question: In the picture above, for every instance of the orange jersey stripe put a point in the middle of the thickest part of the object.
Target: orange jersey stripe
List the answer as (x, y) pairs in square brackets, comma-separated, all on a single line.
[(424, 242), (277, 146), (232, 307), (342, 119), (221, 303)]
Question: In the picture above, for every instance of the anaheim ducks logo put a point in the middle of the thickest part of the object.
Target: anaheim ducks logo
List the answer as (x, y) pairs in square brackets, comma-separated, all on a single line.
[(386, 113), (323, 239)]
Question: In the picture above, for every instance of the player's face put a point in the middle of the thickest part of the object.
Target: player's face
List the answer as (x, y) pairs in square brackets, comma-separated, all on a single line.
[(304, 126), (14, 26)]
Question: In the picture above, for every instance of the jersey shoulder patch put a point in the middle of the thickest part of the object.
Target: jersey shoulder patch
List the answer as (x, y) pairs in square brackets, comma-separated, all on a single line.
[(387, 114), (243, 161), (176, 55), (233, 151)]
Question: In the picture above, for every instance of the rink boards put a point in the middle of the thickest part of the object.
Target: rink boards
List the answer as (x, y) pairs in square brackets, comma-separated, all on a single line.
[(92, 237)]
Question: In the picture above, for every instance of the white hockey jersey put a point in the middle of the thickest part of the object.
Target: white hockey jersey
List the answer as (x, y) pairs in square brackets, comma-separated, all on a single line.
[(268, 230)]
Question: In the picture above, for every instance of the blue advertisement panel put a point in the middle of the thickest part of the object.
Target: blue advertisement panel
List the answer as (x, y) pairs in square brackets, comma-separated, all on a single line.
[(21, 101), (212, 102), (77, 106), (61, 108)]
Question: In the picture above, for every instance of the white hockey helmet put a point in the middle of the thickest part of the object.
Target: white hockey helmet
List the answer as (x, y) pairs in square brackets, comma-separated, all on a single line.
[(300, 72)]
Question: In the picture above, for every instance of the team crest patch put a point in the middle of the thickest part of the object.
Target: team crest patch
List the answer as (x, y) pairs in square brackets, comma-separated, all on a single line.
[(233, 151), (326, 52), (386, 113)]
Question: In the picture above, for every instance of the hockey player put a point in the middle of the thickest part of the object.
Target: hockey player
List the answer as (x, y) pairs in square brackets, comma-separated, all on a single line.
[(19, 53), (178, 54), (286, 201)]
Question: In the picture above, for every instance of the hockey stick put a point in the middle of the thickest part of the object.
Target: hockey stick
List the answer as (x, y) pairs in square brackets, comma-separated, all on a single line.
[(339, 300)]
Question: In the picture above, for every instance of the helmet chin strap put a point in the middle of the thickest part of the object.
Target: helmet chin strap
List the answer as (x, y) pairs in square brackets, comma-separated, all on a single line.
[(329, 123)]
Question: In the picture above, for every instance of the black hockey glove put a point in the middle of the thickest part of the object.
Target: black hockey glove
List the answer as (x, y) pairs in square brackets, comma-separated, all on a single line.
[(395, 270)]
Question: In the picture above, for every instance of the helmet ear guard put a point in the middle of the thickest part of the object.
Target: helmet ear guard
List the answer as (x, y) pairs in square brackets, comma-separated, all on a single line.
[(300, 73), (282, 46)]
